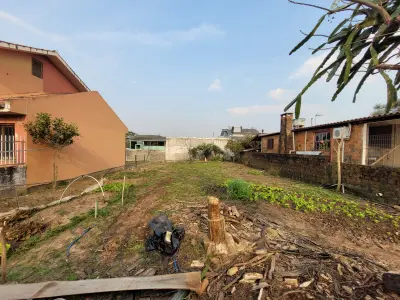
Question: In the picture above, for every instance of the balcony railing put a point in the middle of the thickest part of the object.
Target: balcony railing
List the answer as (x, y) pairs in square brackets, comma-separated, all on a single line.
[(12, 150)]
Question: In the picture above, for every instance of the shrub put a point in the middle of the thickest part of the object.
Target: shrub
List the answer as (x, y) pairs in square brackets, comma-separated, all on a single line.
[(239, 190)]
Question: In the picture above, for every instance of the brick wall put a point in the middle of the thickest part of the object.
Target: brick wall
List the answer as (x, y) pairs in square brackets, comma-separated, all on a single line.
[(352, 147), (364, 180), (264, 144)]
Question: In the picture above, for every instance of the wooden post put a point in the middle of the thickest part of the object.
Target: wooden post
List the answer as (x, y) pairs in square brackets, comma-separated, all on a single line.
[(3, 255), (96, 207), (144, 157), (123, 191), (215, 221)]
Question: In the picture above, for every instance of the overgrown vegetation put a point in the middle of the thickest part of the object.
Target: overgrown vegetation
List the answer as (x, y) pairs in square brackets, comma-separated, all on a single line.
[(238, 145), (205, 151), (239, 189), (54, 133)]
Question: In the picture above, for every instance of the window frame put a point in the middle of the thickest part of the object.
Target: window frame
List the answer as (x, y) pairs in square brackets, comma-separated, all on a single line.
[(270, 143), (36, 61), (317, 145)]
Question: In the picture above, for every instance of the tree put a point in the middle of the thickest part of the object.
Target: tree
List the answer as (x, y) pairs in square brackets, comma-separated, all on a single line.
[(54, 133), (237, 146), (206, 151), (365, 42), (380, 109)]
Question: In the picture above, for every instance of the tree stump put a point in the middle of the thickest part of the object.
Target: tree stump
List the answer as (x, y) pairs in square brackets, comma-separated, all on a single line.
[(216, 223)]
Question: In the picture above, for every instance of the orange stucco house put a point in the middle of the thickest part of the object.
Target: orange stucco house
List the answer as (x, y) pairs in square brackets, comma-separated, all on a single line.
[(36, 80)]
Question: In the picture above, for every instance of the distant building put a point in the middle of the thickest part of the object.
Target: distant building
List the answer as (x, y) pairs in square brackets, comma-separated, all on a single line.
[(237, 132), (146, 142)]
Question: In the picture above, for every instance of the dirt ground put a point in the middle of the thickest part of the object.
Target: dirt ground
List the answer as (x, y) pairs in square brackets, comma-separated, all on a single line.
[(309, 243)]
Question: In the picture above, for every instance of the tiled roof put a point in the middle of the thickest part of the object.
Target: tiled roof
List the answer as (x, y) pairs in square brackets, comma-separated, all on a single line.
[(354, 121)]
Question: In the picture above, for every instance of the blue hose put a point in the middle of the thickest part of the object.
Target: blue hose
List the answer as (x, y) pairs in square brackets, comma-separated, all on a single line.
[(78, 238)]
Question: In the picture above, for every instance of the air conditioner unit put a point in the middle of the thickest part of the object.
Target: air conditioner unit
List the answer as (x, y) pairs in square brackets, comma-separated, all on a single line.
[(341, 133), (4, 106)]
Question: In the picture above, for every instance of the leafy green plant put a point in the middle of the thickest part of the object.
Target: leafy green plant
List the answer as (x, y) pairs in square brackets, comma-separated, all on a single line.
[(7, 247), (368, 32), (54, 133), (239, 190), (205, 151)]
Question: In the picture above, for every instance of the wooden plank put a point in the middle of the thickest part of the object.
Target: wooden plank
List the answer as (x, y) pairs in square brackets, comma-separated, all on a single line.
[(183, 281)]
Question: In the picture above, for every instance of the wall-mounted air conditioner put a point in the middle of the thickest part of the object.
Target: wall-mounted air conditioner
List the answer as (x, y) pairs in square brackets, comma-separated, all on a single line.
[(341, 133), (4, 106)]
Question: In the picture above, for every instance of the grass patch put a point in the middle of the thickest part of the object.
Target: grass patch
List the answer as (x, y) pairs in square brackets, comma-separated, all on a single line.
[(256, 172), (239, 189)]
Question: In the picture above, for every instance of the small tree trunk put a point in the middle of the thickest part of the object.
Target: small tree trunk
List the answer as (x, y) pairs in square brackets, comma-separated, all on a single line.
[(56, 155), (215, 221)]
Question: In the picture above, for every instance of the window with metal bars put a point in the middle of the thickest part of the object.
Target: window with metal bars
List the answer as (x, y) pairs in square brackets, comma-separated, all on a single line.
[(37, 68), (322, 141)]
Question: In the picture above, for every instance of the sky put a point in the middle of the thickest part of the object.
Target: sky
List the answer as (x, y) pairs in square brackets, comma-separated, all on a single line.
[(190, 68)]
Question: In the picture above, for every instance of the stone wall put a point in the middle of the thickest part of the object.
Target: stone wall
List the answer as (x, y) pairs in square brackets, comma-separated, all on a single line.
[(367, 181), (141, 155)]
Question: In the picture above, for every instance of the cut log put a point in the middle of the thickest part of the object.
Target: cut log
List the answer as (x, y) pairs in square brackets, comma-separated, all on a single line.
[(391, 281), (183, 281), (215, 221)]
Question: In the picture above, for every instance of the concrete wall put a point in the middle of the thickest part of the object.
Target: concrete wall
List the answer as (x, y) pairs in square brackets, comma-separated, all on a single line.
[(16, 75), (364, 180), (177, 148), (12, 175), (53, 80), (141, 155), (101, 144)]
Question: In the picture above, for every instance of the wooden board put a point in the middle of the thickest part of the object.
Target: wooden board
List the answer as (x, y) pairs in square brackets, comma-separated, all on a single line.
[(183, 281)]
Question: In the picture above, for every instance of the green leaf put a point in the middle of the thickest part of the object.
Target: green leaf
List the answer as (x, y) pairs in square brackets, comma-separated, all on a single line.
[(337, 28), (342, 34), (349, 56), (319, 48), (309, 36), (298, 107), (326, 58), (391, 89), (336, 65), (360, 84)]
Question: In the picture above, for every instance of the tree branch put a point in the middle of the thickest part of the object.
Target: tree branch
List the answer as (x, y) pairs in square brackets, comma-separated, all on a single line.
[(385, 15), (330, 11), (388, 67), (323, 35)]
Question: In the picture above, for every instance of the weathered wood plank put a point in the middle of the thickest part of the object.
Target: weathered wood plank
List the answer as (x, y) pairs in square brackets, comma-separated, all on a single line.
[(183, 281)]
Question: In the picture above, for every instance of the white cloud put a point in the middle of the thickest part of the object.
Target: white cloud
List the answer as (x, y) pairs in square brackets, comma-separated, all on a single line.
[(255, 109), (9, 18), (166, 38), (308, 67), (281, 94), (215, 85)]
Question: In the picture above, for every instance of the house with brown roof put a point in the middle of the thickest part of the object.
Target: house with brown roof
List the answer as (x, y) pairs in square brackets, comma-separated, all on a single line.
[(373, 140), (36, 80)]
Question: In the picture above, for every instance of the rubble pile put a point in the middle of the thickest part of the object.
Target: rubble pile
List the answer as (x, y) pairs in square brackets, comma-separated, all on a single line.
[(277, 264)]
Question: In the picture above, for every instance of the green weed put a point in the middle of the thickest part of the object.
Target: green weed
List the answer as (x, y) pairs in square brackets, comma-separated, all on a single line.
[(239, 190)]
